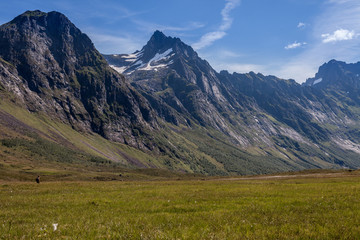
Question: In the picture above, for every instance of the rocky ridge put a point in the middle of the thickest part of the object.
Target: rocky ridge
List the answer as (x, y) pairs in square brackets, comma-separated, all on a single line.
[(251, 109)]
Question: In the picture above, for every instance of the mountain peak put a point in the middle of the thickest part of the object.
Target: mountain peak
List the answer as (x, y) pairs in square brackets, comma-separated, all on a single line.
[(36, 14), (32, 20), (337, 74), (54, 31), (159, 52), (159, 42), (158, 35)]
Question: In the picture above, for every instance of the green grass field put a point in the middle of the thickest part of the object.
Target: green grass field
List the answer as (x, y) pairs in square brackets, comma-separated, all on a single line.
[(323, 206)]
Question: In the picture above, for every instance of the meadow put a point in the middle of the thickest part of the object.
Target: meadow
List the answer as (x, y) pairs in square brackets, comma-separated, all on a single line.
[(325, 206)]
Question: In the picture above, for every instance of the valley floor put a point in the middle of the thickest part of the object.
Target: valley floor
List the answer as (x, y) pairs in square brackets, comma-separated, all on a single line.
[(323, 205)]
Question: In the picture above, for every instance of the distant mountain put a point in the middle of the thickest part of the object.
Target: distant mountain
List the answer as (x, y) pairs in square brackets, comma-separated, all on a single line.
[(339, 79), (165, 107), (338, 75)]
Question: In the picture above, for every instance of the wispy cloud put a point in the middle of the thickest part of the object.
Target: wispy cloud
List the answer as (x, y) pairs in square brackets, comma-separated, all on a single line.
[(232, 61), (241, 68), (115, 44), (108, 13), (338, 1), (295, 45), (338, 35), (225, 53), (151, 27), (301, 25), (225, 13), (207, 39), (210, 37)]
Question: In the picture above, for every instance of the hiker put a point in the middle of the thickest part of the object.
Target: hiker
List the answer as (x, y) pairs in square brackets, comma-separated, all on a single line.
[(38, 179)]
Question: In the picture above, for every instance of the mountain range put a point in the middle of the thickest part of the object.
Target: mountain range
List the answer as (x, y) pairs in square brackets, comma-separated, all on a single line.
[(165, 107)]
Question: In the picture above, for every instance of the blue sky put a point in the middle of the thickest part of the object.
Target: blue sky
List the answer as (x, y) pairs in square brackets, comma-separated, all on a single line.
[(286, 38)]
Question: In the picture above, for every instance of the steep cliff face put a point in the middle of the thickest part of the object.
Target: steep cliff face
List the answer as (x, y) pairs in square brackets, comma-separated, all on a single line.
[(54, 68)]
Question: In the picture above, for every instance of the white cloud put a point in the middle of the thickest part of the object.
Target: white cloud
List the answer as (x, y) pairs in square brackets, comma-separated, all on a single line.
[(337, 14), (151, 27), (295, 45), (339, 1), (225, 13), (110, 44), (210, 37), (299, 69), (241, 68), (338, 35), (224, 54), (301, 25)]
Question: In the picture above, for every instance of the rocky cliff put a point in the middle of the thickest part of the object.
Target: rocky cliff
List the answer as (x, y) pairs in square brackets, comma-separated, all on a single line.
[(54, 68)]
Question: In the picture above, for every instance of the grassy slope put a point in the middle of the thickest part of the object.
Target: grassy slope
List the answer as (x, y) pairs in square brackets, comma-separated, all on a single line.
[(32, 144), (321, 207)]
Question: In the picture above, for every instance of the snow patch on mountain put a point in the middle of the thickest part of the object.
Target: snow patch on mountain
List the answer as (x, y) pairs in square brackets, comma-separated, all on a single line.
[(135, 62), (139, 63), (161, 56), (317, 81), (118, 69), (153, 62), (134, 55)]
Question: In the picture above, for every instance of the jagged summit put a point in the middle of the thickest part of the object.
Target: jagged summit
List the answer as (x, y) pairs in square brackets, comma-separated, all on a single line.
[(159, 52), (42, 30), (39, 13), (337, 74), (159, 40), (158, 44), (36, 15)]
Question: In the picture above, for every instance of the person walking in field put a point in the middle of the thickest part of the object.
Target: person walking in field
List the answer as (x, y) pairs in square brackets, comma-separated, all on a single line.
[(38, 179)]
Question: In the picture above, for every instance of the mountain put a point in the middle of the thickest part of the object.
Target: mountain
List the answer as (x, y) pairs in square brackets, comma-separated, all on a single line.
[(158, 53), (298, 125), (338, 78), (336, 74), (54, 68), (187, 88), (64, 104)]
